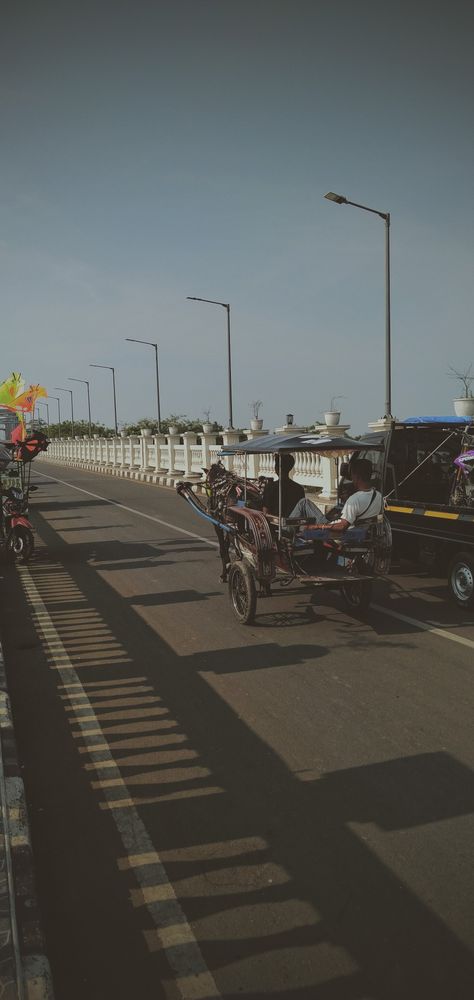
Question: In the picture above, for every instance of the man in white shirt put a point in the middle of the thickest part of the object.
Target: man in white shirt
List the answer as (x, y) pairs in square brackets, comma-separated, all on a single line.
[(365, 502)]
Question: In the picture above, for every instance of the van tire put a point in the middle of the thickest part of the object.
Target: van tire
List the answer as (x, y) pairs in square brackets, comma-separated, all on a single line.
[(461, 579)]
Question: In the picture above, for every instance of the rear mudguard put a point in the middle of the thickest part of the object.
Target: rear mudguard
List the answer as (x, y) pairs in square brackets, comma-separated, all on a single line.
[(262, 546), (20, 521)]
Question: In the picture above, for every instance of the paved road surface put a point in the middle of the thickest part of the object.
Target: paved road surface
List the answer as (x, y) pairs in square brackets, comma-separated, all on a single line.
[(280, 811)]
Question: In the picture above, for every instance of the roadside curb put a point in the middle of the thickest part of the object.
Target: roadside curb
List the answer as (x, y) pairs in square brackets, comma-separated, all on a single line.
[(154, 478), (24, 969), (164, 479)]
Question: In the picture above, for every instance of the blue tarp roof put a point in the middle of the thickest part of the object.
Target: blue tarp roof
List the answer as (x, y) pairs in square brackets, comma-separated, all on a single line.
[(462, 421)]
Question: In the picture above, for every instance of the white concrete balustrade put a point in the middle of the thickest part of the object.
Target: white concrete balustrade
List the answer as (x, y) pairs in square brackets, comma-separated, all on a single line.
[(164, 459)]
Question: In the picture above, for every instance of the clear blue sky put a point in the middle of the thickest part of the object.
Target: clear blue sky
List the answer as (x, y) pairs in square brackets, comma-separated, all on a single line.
[(154, 150)]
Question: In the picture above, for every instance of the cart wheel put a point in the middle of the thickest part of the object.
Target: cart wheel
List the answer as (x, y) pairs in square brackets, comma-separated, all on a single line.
[(357, 595), (20, 544), (461, 580), (242, 592)]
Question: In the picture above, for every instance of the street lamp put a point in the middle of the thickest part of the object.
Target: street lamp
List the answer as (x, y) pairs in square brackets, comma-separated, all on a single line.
[(226, 306), (41, 402), (62, 389), (341, 200), (149, 343), (111, 369), (85, 382), (59, 412)]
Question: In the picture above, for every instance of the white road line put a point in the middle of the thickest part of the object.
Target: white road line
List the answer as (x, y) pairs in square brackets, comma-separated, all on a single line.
[(131, 510), (192, 977), (424, 626)]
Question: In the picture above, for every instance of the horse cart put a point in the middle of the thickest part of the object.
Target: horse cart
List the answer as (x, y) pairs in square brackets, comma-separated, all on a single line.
[(262, 551)]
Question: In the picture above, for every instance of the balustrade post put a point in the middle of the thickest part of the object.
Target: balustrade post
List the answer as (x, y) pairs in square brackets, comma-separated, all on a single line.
[(330, 472), (123, 451), (158, 440), (146, 440), (172, 442), (253, 461), (133, 440), (206, 441), (189, 438), (115, 448), (230, 437)]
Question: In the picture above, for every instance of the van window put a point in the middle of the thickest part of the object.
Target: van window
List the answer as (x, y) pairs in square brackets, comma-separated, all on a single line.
[(427, 479)]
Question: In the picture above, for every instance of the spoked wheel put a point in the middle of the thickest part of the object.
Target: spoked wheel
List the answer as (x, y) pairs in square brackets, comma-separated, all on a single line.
[(242, 592), (461, 580), (20, 544), (357, 595)]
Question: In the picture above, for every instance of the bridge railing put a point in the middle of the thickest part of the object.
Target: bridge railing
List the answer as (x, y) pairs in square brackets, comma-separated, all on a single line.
[(185, 455)]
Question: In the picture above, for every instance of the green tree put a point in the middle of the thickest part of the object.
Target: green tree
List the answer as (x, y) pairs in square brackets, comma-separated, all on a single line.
[(180, 420), (81, 427)]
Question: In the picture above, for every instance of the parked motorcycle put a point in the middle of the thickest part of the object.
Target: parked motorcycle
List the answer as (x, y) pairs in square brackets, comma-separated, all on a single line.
[(16, 528), (16, 531)]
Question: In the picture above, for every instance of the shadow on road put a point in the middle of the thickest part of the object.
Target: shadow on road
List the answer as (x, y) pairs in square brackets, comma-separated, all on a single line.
[(307, 909)]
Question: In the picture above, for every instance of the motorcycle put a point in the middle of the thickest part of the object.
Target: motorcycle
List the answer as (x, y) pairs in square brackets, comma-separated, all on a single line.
[(17, 530)]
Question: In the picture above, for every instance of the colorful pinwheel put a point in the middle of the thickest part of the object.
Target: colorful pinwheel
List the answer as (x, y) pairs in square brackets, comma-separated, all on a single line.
[(15, 399)]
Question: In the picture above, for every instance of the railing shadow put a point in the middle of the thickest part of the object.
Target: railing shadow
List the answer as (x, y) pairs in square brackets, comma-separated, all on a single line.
[(278, 856)]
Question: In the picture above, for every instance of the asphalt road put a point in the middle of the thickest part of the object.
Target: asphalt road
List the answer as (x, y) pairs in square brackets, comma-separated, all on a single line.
[(283, 810)]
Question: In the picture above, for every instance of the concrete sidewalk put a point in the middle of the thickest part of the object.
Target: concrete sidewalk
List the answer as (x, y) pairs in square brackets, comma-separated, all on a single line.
[(24, 968)]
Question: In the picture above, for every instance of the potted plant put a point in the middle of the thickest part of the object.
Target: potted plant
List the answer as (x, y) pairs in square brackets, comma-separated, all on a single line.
[(207, 423), (256, 422), (332, 416), (464, 405)]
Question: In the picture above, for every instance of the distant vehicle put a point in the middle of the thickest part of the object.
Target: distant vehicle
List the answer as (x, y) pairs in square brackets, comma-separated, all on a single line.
[(430, 496)]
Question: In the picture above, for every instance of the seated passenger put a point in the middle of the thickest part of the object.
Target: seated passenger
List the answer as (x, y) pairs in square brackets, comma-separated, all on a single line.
[(291, 492), (363, 504)]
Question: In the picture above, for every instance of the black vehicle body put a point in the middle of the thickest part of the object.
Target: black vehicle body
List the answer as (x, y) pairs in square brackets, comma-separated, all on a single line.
[(432, 520)]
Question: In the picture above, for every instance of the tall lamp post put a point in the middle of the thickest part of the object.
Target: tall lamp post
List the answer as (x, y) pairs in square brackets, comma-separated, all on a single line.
[(225, 305), (41, 402), (85, 382), (341, 200), (149, 343), (59, 412), (62, 389), (111, 369)]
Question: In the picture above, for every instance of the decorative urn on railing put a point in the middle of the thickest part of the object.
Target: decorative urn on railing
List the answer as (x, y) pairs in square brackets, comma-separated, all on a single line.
[(464, 405), (332, 416), (207, 425), (256, 422)]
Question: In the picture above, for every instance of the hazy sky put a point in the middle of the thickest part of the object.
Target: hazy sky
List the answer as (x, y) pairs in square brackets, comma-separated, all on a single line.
[(153, 150)]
